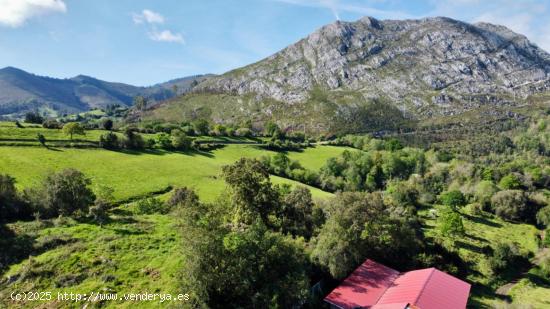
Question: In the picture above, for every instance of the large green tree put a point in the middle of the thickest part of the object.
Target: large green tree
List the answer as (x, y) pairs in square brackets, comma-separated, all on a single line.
[(361, 225), (251, 192)]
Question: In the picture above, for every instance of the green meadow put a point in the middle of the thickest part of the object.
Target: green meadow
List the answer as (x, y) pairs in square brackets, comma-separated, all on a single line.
[(133, 173)]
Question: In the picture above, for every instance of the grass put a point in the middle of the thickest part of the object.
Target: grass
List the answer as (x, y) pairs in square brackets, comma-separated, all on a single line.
[(488, 230), (133, 174), (315, 157), (131, 254), (11, 135)]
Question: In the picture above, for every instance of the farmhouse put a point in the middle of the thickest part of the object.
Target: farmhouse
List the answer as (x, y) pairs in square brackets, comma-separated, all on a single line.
[(375, 286)]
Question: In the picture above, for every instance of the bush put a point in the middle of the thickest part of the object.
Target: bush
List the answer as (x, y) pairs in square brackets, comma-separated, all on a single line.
[(52, 124), (133, 140), (453, 199), (98, 211), (510, 182), (182, 196), (243, 132), (109, 141), (33, 117), (201, 127), (163, 141), (41, 139), (545, 266), (64, 193), (510, 204), (543, 216), (504, 256), (484, 191), (150, 206), (107, 124), (11, 207), (180, 140)]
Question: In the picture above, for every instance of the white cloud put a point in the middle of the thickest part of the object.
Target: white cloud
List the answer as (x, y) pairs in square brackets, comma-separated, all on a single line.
[(151, 18), (14, 13), (148, 16), (166, 36)]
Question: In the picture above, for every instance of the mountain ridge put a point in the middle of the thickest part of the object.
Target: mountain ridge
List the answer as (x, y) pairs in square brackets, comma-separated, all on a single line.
[(21, 92), (450, 62)]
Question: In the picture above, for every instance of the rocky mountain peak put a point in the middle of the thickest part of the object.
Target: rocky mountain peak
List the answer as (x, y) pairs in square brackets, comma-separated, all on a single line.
[(429, 66)]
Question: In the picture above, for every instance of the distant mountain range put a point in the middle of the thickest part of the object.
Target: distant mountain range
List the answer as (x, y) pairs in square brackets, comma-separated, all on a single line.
[(345, 77), (21, 92)]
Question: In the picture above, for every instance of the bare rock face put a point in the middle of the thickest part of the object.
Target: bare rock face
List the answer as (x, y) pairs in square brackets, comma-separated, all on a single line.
[(424, 67)]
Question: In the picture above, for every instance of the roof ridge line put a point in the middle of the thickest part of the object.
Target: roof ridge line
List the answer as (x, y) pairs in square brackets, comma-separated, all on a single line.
[(381, 295), (424, 285)]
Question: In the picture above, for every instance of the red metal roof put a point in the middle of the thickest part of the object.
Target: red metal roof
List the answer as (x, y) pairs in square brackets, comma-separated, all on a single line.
[(376, 286), (364, 286)]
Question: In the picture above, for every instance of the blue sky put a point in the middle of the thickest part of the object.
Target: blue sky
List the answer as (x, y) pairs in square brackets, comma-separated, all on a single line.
[(144, 42)]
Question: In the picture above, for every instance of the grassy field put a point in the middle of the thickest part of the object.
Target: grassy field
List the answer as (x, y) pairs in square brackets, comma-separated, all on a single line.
[(315, 158), (137, 173), (489, 230), (10, 134), (130, 254)]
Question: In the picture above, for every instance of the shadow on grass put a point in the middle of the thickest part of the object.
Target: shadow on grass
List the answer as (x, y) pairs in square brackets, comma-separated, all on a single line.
[(159, 152), (482, 220), (476, 238), (470, 247), (538, 280), (50, 148), (15, 247), (126, 232), (486, 292)]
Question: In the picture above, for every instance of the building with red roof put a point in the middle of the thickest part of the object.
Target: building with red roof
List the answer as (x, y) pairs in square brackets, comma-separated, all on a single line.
[(375, 286)]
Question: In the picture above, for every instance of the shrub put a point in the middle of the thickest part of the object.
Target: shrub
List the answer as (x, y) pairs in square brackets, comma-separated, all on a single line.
[(510, 182), (107, 124), (509, 204), (545, 266), (393, 145), (484, 191), (182, 196), (201, 127), (243, 132), (546, 240), (11, 206), (98, 211), (64, 193), (109, 141), (132, 139), (453, 199), (52, 124), (543, 216), (41, 139), (150, 206), (220, 130), (163, 141), (504, 256), (33, 117), (180, 140)]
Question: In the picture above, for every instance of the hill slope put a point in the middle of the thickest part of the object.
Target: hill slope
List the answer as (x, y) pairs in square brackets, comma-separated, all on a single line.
[(21, 92), (357, 71)]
